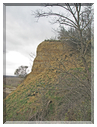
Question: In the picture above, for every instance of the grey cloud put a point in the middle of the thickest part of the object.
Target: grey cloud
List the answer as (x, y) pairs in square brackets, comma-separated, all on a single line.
[(23, 33), (21, 28)]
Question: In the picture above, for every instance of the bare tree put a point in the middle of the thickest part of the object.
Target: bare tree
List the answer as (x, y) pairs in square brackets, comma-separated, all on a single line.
[(32, 57), (80, 20), (21, 71), (79, 35)]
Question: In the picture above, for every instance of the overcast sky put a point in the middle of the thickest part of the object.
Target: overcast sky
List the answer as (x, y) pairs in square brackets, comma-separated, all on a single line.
[(23, 35)]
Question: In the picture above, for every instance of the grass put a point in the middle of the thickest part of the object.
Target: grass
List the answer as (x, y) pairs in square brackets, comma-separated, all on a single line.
[(79, 112), (10, 82), (51, 108), (51, 96), (51, 40), (19, 105)]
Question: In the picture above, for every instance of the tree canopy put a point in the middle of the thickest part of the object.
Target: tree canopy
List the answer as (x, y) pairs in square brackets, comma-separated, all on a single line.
[(21, 71)]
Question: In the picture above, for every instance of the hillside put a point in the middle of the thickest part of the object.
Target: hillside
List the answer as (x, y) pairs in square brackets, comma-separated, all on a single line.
[(55, 90), (10, 83)]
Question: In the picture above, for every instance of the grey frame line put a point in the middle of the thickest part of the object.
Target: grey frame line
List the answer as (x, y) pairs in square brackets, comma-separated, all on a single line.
[(41, 4), (4, 41), (92, 69)]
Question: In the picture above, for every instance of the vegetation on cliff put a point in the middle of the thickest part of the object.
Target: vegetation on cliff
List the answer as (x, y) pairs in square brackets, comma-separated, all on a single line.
[(55, 90), (59, 85)]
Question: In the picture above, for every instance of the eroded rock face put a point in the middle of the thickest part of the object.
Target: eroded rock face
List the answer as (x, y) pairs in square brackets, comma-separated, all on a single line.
[(45, 85), (52, 59), (47, 52), (50, 56)]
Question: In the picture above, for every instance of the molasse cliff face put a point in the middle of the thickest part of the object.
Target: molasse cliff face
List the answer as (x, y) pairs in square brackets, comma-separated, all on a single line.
[(50, 56), (49, 92), (53, 57)]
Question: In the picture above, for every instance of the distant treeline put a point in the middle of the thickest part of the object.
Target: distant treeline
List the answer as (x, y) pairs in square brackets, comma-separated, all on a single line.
[(10, 76)]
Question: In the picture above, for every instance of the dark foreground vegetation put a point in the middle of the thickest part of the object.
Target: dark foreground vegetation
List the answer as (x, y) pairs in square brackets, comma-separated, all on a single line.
[(59, 97)]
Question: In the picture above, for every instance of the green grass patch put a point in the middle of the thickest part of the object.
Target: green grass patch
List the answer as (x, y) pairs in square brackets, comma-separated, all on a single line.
[(51, 108)]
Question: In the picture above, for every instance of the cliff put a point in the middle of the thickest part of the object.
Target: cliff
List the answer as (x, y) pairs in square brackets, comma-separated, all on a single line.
[(51, 56), (52, 91), (48, 53)]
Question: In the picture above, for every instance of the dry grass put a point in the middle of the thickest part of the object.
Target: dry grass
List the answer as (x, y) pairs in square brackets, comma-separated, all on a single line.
[(12, 81), (10, 84), (49, 99), (51, 92)]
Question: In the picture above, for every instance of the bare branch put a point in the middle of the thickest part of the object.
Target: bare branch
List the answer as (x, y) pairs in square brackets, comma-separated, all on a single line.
[(44, 14)]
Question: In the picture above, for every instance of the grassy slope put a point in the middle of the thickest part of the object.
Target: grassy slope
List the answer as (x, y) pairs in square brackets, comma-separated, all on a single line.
[(46, 98), (50, 95), (11, 83)]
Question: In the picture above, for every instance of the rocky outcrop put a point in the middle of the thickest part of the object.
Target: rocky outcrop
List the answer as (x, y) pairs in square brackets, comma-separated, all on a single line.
[(50, 55), (49, 93)]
